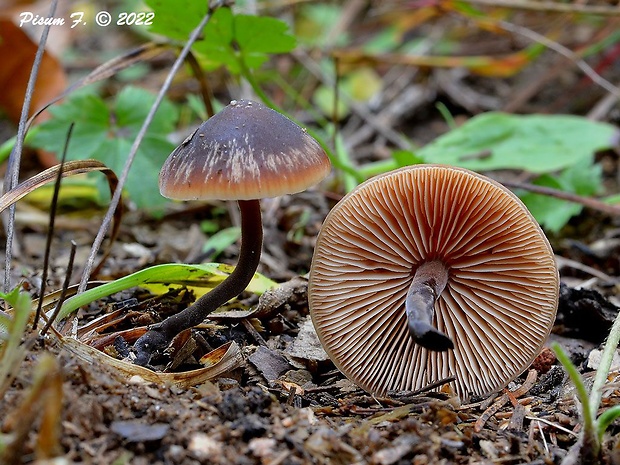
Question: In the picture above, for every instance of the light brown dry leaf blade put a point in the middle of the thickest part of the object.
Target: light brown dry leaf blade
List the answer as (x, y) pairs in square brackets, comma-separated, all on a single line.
[(71, 168), (217, 362)]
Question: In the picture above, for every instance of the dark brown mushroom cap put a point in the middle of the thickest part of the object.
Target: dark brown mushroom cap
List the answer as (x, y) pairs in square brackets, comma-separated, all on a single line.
[(246, 151), (498, 306)]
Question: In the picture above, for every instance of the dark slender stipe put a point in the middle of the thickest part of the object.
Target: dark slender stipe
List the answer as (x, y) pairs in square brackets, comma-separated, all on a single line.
[(160, 335), (429, 281)]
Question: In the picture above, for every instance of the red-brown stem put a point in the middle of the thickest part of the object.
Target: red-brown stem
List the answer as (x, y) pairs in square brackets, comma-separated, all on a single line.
[(160, 335), (428, 283)]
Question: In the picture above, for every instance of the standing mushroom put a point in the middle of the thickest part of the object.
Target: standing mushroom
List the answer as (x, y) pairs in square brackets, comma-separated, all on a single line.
[(429, 272), (245, 152)]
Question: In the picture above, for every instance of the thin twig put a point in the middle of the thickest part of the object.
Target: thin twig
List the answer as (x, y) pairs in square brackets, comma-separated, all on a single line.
[(205, 89), (63, 293), (554, 7), (569, 196), (562, 50), (12, 173), (50, 229), (134, 148), (564, 262), (393, 136), (247, 324), (550, 423)]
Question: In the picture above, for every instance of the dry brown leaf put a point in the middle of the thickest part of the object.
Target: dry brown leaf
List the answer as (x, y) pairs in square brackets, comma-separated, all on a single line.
[(17, 51), (217, 362)]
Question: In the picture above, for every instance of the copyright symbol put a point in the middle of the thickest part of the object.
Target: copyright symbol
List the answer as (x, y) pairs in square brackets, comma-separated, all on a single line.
[(103, 18)]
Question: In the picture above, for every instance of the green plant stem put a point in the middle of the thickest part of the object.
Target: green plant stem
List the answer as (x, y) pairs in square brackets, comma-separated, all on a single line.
[(603, 369), (12, 351), (589, 439), (374, 168), (350, 176)]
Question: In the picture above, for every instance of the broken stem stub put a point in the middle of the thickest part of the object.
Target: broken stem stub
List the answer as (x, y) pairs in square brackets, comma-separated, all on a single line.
[(161, 334), (429, 281)]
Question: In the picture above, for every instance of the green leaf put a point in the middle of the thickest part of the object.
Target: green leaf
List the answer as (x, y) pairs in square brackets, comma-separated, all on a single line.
[(406, 158), (176, 19), (216, 244), (580, 388), (106, 133), (227, 37), (607, 418), (260, 34), (20, 301), (216, 48), (12, 330), (584, 178), (551, 213), (535, 143), (199, 278)]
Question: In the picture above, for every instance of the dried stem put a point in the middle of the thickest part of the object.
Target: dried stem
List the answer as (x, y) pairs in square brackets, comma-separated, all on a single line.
[(63, 293), (12, 173), (562, 50), (569, 196), (50, 229)]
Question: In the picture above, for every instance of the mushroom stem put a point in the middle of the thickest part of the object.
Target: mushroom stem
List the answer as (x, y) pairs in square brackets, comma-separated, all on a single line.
[(428, 283), (159, 335)]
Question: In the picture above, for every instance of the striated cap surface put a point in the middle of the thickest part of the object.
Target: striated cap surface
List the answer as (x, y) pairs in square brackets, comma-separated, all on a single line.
[(246, 151)]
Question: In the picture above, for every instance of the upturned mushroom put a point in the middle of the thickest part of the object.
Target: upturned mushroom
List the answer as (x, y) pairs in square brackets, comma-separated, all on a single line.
[(430, 272), (245, 152)]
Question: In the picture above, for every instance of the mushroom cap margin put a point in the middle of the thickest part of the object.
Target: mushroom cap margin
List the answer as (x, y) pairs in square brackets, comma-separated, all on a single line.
[(246, 151)]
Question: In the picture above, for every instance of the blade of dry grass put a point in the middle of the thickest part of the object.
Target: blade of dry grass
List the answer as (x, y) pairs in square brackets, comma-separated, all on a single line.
[(12, 173), (71, 168), (50, 229)]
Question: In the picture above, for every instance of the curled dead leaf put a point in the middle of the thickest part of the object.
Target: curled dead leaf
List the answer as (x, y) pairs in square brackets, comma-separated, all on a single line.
[(216, 363), (18, 51)]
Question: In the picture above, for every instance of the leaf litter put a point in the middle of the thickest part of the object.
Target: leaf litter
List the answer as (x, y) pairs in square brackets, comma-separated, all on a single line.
[(284, 402)]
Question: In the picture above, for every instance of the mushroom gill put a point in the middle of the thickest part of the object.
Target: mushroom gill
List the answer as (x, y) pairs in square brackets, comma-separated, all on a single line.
[(498, 304)]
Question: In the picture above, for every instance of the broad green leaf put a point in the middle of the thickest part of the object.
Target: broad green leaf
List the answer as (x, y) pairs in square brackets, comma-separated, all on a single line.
[(216, 47), (551, 213), (176, 19), (91, 116), (106, 133), (406, 158), (227, 38), (199, 278), (535, 143), (260, 34)]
